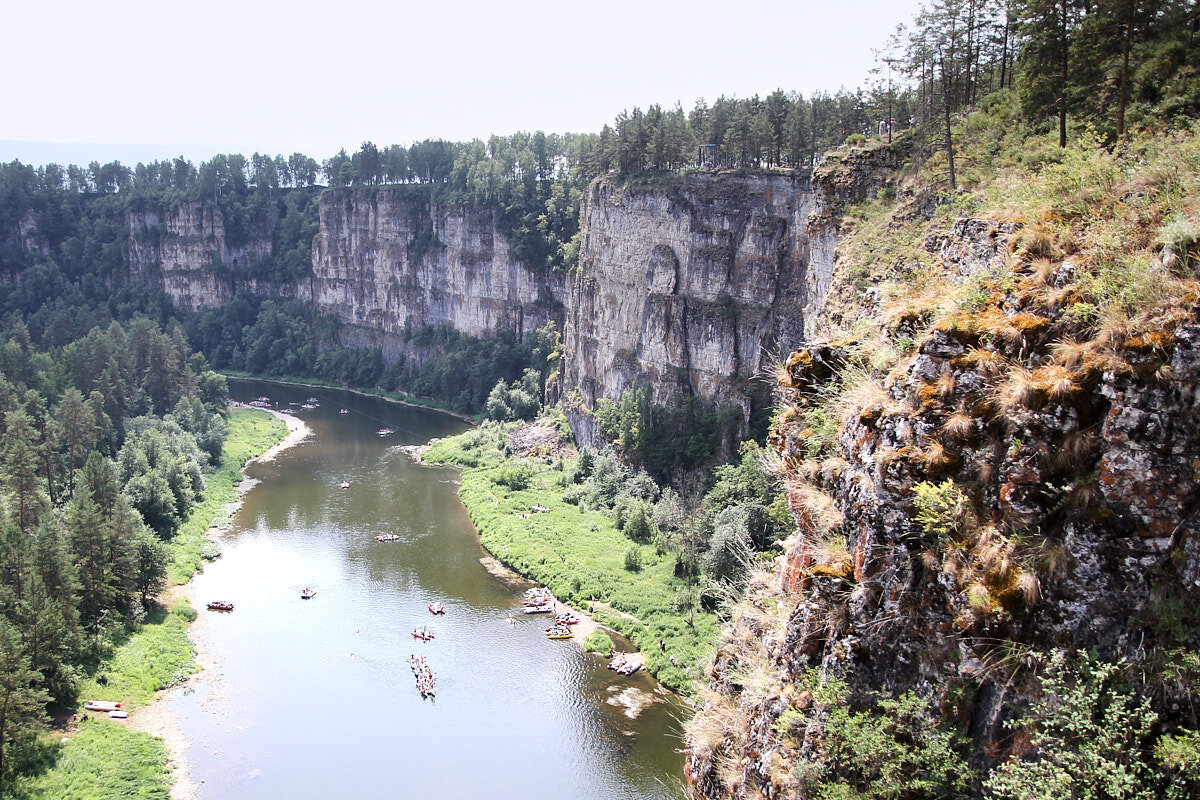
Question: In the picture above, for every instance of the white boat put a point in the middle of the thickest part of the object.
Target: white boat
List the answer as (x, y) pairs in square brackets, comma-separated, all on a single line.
[(101, 705)]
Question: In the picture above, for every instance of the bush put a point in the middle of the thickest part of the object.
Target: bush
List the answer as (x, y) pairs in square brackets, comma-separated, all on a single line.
[(514, 476), (633, 559), (598, 641)]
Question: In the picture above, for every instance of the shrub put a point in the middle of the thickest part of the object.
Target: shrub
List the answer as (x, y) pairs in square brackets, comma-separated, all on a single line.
[(598, 641), (1085, 738), (633, 559), (514, 476)]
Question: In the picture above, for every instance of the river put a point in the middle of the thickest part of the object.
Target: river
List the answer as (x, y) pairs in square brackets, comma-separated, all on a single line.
[(315, 698)]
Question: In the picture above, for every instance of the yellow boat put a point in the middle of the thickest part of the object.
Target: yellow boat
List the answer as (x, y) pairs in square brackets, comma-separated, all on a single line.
[(559, 632)]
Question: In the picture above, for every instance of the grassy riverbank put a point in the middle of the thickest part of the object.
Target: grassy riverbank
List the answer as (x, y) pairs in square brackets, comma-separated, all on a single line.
[(104, 759), (517, 505)]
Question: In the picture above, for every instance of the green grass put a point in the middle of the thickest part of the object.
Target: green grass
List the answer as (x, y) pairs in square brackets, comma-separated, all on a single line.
[(103, 760), (156, 656), (251, 432), (580, 555)]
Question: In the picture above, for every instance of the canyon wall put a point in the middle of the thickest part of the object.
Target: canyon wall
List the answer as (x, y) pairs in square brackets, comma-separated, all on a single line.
[(384, 262), (187, 252), (692, 286)]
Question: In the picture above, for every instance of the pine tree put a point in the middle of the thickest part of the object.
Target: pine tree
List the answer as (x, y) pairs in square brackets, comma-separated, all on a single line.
[(22, 701)]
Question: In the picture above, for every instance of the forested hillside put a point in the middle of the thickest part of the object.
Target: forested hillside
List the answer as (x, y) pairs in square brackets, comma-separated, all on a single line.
[(105, 442)]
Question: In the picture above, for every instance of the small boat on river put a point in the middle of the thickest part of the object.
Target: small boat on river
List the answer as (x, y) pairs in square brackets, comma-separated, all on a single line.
[(387, 537), (437, 608), (345, 484), (219, 605), (385, 431), (559, 632), (566, 619), (537, 610), (308, 593), (343, 411), (423, 633)]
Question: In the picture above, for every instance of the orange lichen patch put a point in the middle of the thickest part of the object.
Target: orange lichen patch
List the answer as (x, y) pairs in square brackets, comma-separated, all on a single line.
[(1029, 324), (926, 395), (961, 324), (842, 570), (797, 363), (870, 414), (1149, 341), (988, 363)]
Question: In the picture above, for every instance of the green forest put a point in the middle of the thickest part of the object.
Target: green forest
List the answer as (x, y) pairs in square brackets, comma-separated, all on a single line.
[(113, 405)]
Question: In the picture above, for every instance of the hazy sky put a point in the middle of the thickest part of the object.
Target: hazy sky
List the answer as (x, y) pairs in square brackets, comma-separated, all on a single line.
[(247, 75)]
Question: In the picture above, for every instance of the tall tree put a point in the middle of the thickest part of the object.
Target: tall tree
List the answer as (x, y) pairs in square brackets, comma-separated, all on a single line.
[(22, 701)]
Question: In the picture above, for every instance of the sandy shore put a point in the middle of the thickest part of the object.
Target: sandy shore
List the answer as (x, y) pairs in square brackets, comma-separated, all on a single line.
[(156, 718)]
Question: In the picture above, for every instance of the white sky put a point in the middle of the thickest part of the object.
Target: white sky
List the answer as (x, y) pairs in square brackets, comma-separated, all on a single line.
[(248, 75)]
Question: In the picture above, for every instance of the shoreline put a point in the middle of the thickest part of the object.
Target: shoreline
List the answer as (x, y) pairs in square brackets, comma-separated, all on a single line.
[(361, 393), (498, 568), (156, 718)]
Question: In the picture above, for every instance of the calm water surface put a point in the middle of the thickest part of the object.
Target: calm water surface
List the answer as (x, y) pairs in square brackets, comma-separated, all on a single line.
[(315, 699)]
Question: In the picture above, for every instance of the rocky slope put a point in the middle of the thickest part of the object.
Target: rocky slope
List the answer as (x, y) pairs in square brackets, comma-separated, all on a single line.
[(1012, 481)]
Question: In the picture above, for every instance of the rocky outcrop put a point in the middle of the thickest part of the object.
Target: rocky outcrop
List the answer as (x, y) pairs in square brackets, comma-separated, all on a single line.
[(1018, 484), (186, 250)]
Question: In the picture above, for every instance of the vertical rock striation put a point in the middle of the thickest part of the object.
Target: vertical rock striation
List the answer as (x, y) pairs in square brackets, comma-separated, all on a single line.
[(387, 260)]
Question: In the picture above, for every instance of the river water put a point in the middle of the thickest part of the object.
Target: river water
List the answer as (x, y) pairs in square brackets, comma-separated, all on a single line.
[(315, 698)]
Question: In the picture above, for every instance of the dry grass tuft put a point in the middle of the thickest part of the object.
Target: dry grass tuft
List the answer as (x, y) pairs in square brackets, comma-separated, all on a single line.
[(960, 427), (1036, 241), (1017, 392), (1056, 382)]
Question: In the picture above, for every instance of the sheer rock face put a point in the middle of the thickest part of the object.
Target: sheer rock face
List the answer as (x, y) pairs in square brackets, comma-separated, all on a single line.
[(689, 289), (384, 263), (701, 285), (1098, 480), (188, 252)]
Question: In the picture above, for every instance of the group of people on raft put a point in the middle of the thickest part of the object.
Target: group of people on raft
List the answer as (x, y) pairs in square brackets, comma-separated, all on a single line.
[(623, 665), (425, 683)]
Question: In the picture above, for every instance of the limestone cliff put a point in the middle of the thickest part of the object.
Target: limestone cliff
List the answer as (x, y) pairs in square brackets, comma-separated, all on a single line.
[(697, 286), (386, 260), (187, 251), (690, 287)]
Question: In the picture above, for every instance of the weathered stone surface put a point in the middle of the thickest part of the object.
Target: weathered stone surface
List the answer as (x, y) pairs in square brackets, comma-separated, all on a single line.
[(383, 261), (1083, 519), (186, 249)]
